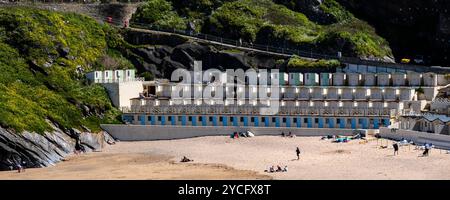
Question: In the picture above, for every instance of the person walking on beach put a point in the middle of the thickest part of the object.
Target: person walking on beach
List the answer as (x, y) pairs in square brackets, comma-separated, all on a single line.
[(298, 153), (395, 145)]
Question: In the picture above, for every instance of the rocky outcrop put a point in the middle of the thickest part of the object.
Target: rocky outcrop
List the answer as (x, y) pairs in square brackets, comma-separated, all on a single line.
[(160, 54), (42, 150)]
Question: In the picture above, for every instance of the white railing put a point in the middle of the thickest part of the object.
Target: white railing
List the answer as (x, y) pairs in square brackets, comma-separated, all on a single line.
[(283, 110), (140, 79)]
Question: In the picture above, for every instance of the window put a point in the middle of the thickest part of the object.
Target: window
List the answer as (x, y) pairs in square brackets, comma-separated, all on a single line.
[(242, 119), (274, 119), (180, 118), (327, 121), (316, 120), (210, 119), (128, 73), (190, 118), (360, 121), (305, 120), (231, 118), (220, 119), (170, 118), (200, 118), (252, 119), (159, 118), (295, 120), (148, 118), (338, 121), (284, 120)]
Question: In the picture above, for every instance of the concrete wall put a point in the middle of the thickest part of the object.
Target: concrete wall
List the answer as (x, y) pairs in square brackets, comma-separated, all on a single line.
[(121, 93), (440, 141), (139, 132)]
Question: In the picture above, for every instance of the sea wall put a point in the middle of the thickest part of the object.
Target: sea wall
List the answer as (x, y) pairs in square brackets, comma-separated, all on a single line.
[(155, 132), (440, 141)]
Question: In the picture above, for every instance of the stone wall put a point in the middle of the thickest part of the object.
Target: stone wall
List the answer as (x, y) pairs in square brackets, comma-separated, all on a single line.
[(440, 141), (145, 132)]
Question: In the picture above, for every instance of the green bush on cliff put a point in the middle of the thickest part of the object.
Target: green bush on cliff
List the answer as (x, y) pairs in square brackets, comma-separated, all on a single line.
[(277, 24), (297, 62), (159, 13), (42, 55)]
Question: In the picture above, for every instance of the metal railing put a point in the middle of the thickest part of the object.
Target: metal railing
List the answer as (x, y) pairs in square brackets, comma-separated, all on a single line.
[(119, 80)]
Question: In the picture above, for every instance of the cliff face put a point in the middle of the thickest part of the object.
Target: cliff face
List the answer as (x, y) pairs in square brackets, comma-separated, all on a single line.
[(412, 27), (42, 150), (44, 97)]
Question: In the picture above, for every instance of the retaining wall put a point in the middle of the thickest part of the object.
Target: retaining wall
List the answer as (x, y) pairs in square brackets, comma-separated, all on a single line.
[(440, 141), (155, 132)]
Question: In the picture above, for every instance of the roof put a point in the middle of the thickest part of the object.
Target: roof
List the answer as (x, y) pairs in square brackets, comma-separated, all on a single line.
[(432, 117)]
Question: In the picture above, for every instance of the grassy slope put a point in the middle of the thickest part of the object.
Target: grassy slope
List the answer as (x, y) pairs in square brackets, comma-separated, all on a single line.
[(263, 21), (38, 81)]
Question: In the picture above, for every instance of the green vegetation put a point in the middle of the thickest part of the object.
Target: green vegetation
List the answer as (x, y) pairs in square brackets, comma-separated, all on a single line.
[(42, 55), (297, 62), (267, 22), (160, 13)]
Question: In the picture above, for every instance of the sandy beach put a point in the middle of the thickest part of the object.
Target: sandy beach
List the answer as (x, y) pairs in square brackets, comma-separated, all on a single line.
[(246, 158)]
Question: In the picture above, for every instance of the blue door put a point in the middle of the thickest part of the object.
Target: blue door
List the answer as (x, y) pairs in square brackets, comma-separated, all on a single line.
[(153, 120), (266, 121), (299, 122), (288, 122), (173, 120), (214, 118), (142, 119), (204, 118), (194, 120), (376, 123), (386, 122), (256, 121), (342, 123), (277, 122), (225, 120), (364, 123), (330, 123), (127, 118), (320, 122), (245, 121), (163, 120), (183, 120), (235, 122), (353, 123), (309, 122)]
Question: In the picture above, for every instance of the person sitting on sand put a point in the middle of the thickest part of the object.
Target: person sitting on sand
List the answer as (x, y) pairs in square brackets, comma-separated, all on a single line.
[(279, 168), (271, 169), (185, 159), (426, 151)]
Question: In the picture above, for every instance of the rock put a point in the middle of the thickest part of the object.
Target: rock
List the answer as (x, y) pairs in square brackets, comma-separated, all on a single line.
[(86, 128), (91, 141), (41, 150)]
